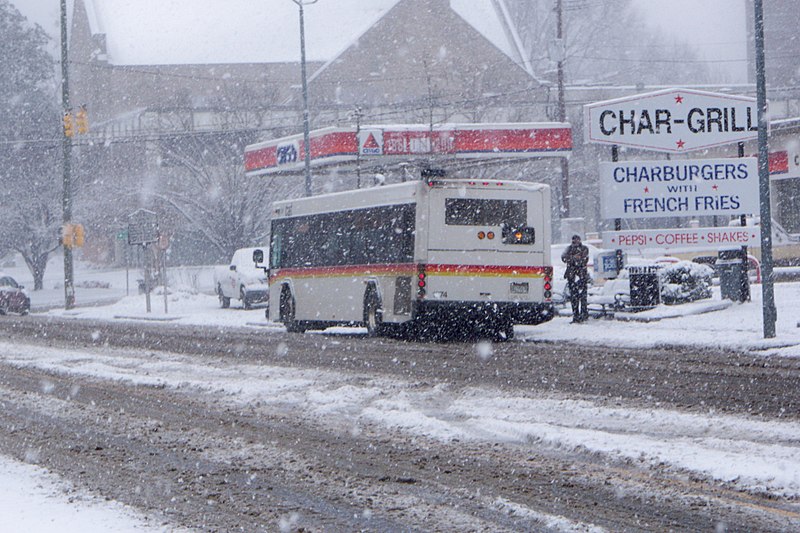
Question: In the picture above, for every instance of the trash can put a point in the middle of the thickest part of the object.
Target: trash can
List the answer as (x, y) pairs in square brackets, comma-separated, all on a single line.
[(734, 284), (645, 287)]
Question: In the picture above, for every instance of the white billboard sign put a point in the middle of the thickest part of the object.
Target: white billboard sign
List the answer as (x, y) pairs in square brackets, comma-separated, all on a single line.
[(672, 120), (683, 238), (679, 188)]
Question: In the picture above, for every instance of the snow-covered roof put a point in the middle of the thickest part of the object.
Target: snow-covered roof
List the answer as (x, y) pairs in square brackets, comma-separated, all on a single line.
[(162, 32)]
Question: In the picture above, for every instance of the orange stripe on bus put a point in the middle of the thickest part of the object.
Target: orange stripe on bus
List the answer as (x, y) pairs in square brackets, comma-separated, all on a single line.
[(410, 269)]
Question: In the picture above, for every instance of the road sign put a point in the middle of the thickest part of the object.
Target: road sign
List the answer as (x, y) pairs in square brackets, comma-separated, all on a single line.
[(142, 227), (672, 188), (683, 238), (672, 120)]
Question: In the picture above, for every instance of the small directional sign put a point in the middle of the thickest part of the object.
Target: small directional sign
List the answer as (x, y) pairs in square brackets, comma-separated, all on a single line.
[(142, 227)]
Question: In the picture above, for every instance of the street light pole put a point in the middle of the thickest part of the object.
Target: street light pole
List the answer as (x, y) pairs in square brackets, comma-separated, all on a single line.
[(66, 145), (306, 133), (769, 311), (562, 107)]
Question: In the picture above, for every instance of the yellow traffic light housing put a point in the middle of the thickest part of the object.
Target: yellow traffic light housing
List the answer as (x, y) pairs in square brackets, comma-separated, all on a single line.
[(72, 235), (68, 126), (82, 120), (66, 235), (77, 235)]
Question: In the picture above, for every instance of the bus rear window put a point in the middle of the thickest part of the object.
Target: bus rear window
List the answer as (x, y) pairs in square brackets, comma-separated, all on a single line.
[(478, 212)]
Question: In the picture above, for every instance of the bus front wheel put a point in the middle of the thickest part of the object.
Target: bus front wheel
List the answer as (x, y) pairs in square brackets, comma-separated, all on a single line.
[(287, 312), (373, 316)]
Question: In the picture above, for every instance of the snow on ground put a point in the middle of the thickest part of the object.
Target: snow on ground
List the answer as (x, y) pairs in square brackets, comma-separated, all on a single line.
[(33, 499), (752, 454)]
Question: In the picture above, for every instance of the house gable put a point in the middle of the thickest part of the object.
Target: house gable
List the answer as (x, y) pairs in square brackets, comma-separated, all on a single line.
[(422, 52)]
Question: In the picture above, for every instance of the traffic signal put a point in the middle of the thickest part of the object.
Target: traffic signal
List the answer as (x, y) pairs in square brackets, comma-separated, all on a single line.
[(77, 235), (68, 127), (66, 235), (82, 120), (72, 235)]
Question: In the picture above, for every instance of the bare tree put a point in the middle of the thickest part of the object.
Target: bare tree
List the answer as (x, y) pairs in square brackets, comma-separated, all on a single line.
[(29, 144), (205, 186), (605, 43)]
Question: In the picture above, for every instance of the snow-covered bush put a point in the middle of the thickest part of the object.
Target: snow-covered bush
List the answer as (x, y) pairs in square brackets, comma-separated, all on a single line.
[(684, 282)]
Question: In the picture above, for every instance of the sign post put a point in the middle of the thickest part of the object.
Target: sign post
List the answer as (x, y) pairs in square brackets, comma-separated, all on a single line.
[(143, 231), (769, 312), (162, 244)]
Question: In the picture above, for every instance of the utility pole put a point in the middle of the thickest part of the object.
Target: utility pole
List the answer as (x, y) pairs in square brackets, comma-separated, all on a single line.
[(562, 106), (66, 145), (306, 133), (358, 114), (770, 313)]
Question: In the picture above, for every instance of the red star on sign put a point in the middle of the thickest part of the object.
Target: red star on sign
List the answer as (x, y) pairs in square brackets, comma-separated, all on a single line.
[(646, 189), (680, 143), (679, 99), (714, 187)]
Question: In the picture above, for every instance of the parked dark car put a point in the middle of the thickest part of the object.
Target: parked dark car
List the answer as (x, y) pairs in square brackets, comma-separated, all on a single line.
[(13, 297)]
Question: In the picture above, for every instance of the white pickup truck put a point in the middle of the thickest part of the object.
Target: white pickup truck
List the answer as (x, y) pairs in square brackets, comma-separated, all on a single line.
[(241, 280)]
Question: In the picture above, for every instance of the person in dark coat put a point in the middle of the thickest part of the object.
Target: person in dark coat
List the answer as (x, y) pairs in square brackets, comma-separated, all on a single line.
[(576, 257)]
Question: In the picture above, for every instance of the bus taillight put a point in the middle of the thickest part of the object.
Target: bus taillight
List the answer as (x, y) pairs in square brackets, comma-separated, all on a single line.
[(548, 283), (421, 281)]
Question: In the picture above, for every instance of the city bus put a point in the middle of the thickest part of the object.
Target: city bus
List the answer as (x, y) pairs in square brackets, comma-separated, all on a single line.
[(423, 258)]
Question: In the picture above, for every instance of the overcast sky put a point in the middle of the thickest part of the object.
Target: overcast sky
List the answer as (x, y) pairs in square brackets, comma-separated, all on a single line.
[(716, 28)]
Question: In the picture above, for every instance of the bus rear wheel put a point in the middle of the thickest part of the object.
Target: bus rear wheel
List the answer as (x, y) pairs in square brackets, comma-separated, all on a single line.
[(373, 316), (503, 331)]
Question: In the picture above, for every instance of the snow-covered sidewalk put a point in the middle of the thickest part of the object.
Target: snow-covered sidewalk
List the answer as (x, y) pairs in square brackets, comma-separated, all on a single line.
[(706, 323), (34, 500)]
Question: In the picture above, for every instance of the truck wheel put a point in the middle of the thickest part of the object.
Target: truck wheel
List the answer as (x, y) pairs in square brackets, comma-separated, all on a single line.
[(244, 298), (373, 316), (224, 301)]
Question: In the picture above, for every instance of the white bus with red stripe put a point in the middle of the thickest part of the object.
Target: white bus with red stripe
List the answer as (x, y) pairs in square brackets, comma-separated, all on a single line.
[(425, 257)]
